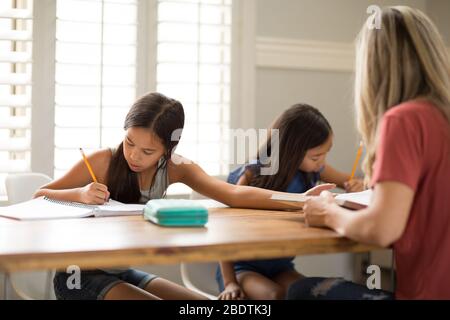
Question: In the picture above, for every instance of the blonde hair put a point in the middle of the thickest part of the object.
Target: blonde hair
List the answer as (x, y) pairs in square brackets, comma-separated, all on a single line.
[(404, 60)]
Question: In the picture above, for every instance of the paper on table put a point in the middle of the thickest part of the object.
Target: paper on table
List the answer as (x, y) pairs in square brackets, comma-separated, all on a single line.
[(294, 200), (294, 197), (355, 200), (45, 208)]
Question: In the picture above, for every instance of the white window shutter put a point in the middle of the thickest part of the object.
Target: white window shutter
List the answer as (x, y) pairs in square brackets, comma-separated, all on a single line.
[(194, 66), (95, 75), (16, 37)]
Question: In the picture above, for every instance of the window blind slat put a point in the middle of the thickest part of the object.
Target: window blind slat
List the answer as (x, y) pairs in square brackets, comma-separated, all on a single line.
[(15, 57), (15, 166), (15, 78), (16, 35), (15, 122), (16, 13), (15, 144), (15, 101)]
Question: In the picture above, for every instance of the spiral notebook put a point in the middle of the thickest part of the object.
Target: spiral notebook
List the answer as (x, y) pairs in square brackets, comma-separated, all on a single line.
[(46, 208)]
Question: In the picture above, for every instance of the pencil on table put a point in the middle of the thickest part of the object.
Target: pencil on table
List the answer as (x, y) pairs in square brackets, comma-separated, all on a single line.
[(355, 164), (88, 165)]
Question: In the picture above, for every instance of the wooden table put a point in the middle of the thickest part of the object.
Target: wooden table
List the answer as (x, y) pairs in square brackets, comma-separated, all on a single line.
[(125, 241)]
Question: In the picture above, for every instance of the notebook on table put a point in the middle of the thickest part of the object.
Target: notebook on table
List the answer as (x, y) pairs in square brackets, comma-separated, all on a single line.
[(355, 200), (46, 208), (294, 200)]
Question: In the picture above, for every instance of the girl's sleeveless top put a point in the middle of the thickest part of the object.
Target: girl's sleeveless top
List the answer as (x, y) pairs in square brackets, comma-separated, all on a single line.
[(157, 190)]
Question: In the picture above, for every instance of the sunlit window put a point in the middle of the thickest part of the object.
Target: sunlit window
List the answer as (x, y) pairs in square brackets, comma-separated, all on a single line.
[(194, 66), (95, 76), (15, 87)]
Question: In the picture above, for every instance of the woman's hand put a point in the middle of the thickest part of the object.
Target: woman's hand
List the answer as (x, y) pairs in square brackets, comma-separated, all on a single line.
[(317, 209), (318, 189), (94, 193), (232, 292), (354, 185)]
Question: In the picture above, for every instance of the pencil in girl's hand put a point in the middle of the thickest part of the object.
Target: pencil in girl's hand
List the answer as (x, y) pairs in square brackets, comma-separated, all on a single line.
[(355, 164), (88, 165)]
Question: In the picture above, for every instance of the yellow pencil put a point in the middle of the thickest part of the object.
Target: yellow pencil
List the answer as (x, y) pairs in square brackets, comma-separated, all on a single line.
[(355, 164), (88, 165)]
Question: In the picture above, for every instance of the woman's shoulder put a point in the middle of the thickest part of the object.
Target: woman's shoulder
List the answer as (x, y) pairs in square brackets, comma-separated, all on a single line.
[(413, 109), (415, 116)]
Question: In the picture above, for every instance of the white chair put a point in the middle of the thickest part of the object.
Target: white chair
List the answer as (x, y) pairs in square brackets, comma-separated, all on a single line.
[(21, 187), (201, 277), (27, 285)]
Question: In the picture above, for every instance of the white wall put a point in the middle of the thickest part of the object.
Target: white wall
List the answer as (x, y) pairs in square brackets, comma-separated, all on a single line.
[(325, 20), (439, 12)]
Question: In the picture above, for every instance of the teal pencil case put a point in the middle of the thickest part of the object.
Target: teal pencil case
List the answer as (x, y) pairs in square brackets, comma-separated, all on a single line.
[(176, 213)]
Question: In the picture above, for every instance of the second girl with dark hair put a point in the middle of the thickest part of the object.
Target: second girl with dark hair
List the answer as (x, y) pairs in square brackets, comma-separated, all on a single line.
[(305, 138)]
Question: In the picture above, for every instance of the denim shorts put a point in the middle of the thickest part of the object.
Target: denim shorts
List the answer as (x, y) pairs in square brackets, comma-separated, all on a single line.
[(95, 284), (269, 268)]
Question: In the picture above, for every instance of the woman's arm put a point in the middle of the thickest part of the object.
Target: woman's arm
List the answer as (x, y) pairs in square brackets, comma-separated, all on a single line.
[(234, 196), (382, 223), (76, 185), (341, 179)]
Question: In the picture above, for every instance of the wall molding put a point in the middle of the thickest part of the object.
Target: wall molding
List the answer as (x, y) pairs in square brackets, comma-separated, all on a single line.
[(283, 53), (304, 54)]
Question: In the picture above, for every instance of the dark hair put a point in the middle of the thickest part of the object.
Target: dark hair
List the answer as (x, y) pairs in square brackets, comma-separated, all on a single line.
[(301, 127), (163, 116)]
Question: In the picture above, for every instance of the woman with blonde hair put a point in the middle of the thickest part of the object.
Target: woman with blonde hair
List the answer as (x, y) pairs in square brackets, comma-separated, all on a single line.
[(402, 98)]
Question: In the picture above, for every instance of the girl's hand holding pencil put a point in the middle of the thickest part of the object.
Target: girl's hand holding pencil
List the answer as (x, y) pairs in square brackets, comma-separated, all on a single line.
[(355, 185), (93, 193)]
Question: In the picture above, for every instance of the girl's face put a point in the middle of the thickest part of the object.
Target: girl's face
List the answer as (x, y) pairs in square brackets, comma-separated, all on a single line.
[(315, 158), (142, 149)]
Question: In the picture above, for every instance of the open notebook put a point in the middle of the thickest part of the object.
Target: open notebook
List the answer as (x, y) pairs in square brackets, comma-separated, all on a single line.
[(45, 208), (295, 200), (355, 200)]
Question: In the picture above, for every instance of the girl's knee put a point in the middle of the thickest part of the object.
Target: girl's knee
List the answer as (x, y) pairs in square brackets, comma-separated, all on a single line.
[(272, 292), (278, 293)]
